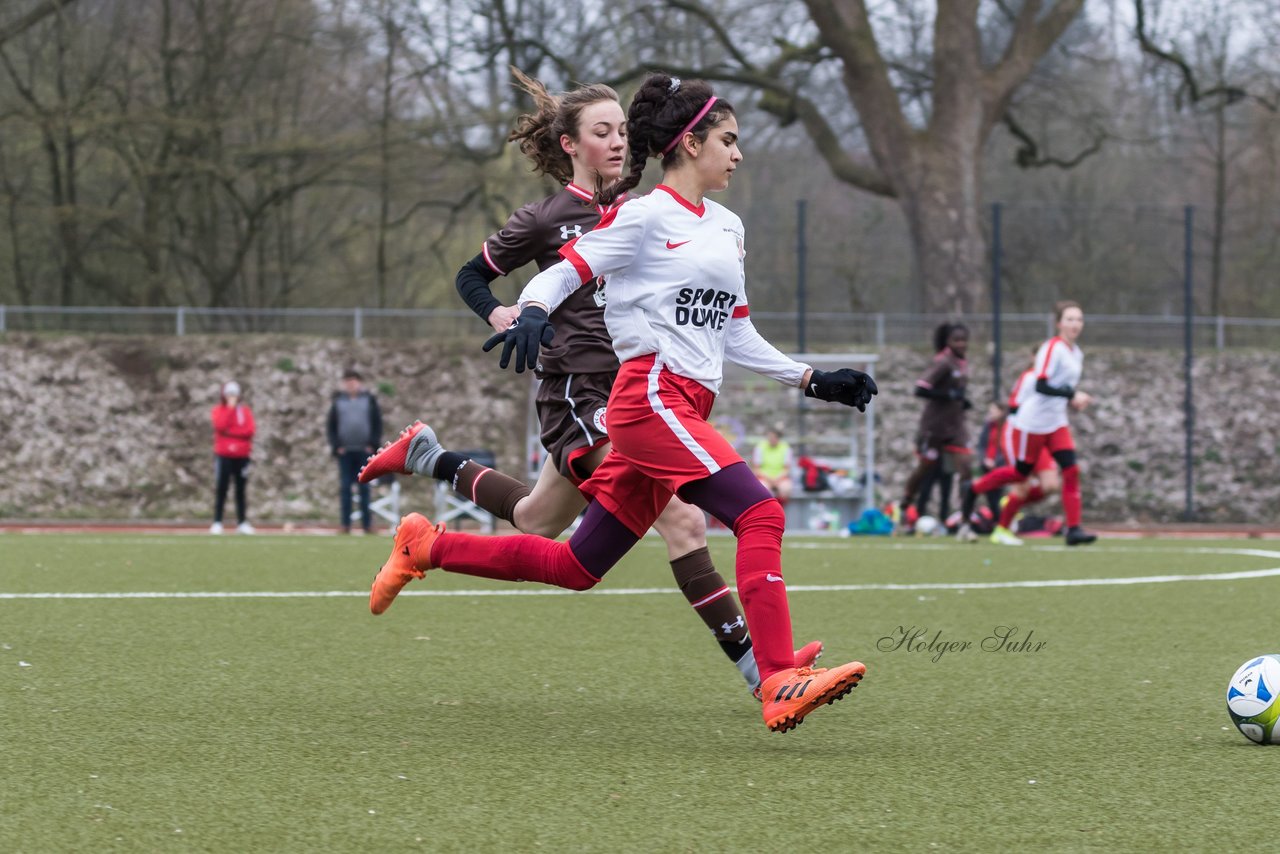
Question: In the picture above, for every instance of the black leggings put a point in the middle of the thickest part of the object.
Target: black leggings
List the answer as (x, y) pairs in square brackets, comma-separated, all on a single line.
[(226, 469)]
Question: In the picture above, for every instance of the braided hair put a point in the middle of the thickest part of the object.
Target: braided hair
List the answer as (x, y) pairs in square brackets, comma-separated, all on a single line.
[(539, 132), (661, 109)]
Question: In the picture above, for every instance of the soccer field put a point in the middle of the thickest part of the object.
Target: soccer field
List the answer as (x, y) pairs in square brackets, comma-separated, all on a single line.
[(234, 694)]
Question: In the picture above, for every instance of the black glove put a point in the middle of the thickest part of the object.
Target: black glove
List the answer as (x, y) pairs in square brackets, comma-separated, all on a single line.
[(523, 335), (955, 393), (847, 386)]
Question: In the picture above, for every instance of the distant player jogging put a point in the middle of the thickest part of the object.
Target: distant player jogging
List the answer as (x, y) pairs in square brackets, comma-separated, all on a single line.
[(942, 440), (579, 138), (674, 263), (1040, 423)]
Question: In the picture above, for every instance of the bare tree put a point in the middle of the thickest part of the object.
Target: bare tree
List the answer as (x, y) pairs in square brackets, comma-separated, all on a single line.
[(925, 126)]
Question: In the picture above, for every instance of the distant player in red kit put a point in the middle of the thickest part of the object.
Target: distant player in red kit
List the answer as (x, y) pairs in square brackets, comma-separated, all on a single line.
[(580, 139), (677, 307), (1041, 424)]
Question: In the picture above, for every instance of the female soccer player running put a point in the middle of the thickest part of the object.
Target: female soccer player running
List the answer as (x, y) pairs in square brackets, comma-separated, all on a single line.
[(1041, 423), (677, 306), (579, 139)]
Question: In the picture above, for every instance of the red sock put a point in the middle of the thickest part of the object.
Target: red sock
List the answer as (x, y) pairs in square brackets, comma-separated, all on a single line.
[(996, 478), (521, 557), (1034, 494), (761, 588), (1012, 505), (1071, 495)]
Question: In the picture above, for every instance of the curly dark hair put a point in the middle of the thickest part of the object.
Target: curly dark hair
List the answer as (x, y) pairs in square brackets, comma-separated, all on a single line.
[(539, 132), (661, 109), (943, 333)]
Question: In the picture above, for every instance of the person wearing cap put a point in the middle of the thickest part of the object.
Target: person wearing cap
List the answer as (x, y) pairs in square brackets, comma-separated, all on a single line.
[(355, 429), (233, 430)]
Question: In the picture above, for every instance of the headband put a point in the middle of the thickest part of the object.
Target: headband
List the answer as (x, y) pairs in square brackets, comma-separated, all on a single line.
[(706, 108)]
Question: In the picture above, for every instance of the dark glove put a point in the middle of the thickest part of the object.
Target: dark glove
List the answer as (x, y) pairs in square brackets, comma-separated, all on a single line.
[(847, 386), (524, 335), (955, 393)]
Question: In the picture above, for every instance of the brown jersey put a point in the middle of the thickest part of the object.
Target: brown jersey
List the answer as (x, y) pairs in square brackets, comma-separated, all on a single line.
[(944, 419), (535, 233)]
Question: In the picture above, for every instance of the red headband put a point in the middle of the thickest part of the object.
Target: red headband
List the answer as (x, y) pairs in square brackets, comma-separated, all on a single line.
[(706, 108)]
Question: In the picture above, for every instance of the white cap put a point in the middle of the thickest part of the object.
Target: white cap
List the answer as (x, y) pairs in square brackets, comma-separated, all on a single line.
[(231, 389)]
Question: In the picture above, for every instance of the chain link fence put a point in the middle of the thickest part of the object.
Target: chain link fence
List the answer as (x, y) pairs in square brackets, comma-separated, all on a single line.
[(826, 331)]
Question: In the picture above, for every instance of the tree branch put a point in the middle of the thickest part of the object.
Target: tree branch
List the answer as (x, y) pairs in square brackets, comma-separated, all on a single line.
[(1028, 155), (29, 20), (1227, 93)]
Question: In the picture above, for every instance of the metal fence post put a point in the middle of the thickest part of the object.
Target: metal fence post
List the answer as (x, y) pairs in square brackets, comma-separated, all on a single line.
[(996, 251), (879, 330), (1220, 333), (1188, 307), (180, 321), (358, 322), (2, 318)]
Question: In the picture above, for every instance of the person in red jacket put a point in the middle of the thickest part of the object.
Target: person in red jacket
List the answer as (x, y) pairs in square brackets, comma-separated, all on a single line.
[(233, 429)]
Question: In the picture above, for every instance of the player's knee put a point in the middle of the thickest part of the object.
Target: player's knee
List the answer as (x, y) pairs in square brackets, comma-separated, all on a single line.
[(1065, 459), (766, 517)]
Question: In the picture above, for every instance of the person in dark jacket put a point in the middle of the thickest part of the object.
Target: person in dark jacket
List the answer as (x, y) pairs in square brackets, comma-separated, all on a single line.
[(355, 429)]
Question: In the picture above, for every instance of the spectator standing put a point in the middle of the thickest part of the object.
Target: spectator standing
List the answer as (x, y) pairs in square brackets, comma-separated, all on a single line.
[(355, 429), (772, 461), (233, 430)]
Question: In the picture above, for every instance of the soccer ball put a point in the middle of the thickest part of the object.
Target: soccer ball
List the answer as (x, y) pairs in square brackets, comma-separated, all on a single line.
[(926, 525), (1252, 698)]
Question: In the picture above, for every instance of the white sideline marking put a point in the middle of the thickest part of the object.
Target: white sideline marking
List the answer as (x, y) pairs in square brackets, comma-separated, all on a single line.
[(649, 591)]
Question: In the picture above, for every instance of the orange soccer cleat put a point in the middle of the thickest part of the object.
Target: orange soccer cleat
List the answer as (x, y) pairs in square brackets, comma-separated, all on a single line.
[(805, 656), (415, 451), (790, 695), (410, 559)]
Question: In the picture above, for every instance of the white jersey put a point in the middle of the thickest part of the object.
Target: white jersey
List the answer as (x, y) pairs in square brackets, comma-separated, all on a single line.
[(675, 284), (1060, 364)]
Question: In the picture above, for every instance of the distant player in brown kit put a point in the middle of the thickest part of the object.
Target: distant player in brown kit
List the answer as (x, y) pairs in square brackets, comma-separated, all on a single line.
[(580, 139), (942, 441)]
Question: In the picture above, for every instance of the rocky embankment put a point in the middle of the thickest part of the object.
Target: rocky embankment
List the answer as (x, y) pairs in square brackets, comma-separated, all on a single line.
[(118, 427)]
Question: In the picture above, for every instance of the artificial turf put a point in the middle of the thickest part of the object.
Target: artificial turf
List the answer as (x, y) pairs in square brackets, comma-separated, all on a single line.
[(588, 722)]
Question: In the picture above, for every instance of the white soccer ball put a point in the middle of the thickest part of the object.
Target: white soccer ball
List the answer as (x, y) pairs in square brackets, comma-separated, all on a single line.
[(926, 525), (1253, 698)]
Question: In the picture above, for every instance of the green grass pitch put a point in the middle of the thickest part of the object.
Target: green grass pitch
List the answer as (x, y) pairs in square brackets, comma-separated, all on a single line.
[(588, 722)]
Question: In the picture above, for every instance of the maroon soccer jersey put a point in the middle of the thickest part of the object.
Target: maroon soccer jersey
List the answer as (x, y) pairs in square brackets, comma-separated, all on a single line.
[(945, 418), (535, 233)]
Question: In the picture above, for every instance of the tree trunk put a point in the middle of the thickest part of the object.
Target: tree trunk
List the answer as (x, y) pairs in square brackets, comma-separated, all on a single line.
[(942, 205)]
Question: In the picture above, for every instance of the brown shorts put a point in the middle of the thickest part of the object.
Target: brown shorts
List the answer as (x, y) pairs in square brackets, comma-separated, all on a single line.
[(931, 446), (571, 413)]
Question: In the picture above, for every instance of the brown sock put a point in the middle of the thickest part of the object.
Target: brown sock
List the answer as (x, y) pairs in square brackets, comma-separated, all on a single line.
[(490, 490), (711, 598)]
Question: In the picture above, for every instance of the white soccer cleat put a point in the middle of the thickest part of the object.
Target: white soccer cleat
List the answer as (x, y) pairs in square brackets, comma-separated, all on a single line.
[(215, 528), (245, 528), (965, 534)]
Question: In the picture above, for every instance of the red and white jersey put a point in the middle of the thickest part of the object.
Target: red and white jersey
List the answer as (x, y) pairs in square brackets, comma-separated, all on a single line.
[(1061, 364), (1023, 387), (676, 280)]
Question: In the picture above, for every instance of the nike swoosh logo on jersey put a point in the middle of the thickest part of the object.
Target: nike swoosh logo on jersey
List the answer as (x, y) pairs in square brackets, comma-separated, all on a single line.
[(769, 576), (671, 245)]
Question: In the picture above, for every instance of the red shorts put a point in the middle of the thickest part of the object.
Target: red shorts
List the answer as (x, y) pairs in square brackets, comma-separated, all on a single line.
[(657, 423), (1036, 448), (1044, 461)]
